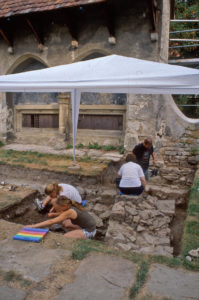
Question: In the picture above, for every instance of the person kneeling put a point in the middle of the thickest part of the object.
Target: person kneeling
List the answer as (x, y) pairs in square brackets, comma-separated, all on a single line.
[(132, 177), (54, 190), (72, 216)]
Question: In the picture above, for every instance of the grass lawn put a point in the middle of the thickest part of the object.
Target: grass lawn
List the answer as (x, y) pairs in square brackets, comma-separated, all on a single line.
[(190, 239), (52, 162)]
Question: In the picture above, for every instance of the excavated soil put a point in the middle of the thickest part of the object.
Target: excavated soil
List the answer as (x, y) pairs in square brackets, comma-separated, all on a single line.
[(22, 209)]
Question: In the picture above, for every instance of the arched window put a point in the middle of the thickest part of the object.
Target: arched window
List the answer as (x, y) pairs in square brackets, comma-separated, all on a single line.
[(32, 64), (28, 112)]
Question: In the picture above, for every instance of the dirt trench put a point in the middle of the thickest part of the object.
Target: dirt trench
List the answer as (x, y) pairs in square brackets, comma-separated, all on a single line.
[(26, 212)]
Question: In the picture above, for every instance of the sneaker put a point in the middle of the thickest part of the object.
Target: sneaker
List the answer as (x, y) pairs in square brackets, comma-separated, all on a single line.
[(84, 202), (39, 204), (58, 228), (154, 173)]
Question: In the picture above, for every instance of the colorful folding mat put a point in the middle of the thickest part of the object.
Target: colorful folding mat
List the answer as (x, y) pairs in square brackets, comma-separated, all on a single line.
[(31, 234)]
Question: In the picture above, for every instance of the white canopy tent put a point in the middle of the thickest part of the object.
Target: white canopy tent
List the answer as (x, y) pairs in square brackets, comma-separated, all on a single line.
[(110, 74)]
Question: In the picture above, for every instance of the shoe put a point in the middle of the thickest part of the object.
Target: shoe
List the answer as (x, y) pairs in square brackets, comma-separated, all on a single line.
[(39, 204), (58, 228), (84, 202), (154, 173)]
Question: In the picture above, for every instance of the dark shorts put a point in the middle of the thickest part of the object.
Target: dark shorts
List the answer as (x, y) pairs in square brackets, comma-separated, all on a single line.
[(132, 190)]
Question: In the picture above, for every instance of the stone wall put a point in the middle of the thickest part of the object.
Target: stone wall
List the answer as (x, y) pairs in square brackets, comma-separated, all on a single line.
[(175, 136), (145, 115), (133, 38), (143, 223)]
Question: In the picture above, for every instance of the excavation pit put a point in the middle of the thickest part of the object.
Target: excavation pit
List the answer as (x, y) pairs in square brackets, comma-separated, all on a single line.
[(144, 224)]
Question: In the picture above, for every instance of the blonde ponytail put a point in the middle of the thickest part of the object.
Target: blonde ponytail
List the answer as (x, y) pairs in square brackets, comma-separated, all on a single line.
[(62, 200), (53, 187)]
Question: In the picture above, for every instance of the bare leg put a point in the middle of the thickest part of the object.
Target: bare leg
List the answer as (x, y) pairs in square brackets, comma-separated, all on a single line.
[(68, 224), (75, 234)]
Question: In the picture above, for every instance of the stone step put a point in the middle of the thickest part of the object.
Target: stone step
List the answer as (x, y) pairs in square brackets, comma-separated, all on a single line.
[(168, 192)]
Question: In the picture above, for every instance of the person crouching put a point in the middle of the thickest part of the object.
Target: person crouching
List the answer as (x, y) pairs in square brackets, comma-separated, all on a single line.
[(132, 177), (72, 216)]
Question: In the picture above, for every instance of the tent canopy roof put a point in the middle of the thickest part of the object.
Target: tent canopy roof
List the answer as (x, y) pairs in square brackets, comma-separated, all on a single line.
[(107, 74)]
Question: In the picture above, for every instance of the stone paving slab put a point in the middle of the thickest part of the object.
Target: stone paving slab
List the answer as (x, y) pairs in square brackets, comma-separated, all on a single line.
[(30, 260), (174, 284), (7, 293), (100, 277)]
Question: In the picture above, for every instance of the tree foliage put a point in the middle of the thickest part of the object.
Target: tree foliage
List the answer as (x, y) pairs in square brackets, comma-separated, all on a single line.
[(189, 111), (187, 10)]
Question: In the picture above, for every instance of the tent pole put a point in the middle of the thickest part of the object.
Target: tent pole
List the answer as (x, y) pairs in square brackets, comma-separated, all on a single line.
[(75, 114), (74, 122)]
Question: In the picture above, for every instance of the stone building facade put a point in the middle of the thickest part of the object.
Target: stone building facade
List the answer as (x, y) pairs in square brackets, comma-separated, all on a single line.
[(46, 36)]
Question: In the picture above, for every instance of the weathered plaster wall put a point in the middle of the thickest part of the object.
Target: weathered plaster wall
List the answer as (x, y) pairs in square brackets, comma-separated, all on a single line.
[(175, 136), (132, 35), (156, 116)]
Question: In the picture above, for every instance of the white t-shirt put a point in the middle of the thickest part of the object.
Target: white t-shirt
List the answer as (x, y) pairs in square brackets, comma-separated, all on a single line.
[(70, 192), (130, 173)]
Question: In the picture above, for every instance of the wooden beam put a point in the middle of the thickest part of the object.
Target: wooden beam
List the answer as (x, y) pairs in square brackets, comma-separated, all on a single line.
[(110, 18), (153, 7), (38, 38), (71, 20), (6, 39)]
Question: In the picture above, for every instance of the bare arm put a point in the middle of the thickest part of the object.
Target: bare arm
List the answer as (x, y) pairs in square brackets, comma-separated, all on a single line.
[(53, 214), (143, 181), (46, 200), (69, 214)]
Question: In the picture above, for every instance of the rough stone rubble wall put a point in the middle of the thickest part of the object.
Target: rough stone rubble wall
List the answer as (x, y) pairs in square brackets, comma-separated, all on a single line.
[(136, 223)]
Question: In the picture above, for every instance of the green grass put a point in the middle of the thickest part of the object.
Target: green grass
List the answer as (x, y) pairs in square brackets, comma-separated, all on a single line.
[(190, 238), (106, 147), (69, 146), (84, 159), (94, 146), (172, 262), (12, 276), (50, 162), (141, 277), (83, 247), (194, 151), (9, 276), (193, 209), (80, 146), (121, 149), (193, 227), (25, 283), (110, 148), (1, 144)]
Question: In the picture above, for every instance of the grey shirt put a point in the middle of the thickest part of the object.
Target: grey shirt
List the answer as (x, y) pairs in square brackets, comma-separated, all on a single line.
[(84, 220)]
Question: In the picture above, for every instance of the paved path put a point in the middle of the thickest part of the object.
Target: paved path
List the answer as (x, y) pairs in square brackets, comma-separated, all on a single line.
[(97, 277), (7, 293), (100, 277), (174, 284), (29, 259)]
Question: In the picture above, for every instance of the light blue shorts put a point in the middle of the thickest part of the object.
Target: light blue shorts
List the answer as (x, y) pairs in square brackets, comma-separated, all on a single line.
[(88, 234)]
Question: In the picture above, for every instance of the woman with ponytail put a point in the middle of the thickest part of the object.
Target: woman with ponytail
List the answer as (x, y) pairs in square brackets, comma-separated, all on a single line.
[(72, 216), (54, 190)]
